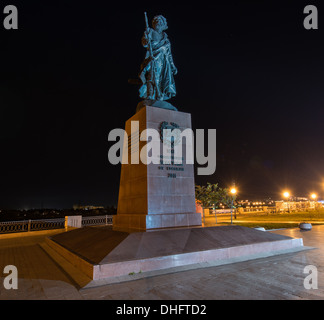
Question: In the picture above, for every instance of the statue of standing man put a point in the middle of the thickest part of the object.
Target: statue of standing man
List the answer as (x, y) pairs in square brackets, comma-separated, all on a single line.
[(157, 69)]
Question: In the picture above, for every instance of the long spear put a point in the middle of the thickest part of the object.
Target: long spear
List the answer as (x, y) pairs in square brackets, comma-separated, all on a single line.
[(152, 57)]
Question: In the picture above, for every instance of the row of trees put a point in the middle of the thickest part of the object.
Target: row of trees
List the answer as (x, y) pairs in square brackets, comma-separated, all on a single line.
[(212, 196)]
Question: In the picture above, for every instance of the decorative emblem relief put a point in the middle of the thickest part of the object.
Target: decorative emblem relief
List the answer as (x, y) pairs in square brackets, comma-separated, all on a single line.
[(168, 135)]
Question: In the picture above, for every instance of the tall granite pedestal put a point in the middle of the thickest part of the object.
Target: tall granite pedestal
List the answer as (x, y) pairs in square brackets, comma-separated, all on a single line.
[(155, 195), (160, 198)]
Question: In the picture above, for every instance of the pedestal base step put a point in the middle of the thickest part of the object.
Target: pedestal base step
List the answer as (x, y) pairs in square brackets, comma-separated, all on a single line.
[(103, 253), (142, 222)]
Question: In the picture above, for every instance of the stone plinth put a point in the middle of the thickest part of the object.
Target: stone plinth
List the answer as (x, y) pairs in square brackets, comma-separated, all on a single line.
[(155, 195), (103, 253)]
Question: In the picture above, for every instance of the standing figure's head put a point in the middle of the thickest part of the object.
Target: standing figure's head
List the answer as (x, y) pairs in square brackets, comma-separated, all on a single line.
[(159, 23)]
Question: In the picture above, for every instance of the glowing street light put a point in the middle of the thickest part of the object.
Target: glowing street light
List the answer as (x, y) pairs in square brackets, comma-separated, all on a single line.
[(314, 196), (286, 194), (233, 192)]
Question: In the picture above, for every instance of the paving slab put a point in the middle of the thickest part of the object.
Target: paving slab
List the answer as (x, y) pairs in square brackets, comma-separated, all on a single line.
[(278, 277)]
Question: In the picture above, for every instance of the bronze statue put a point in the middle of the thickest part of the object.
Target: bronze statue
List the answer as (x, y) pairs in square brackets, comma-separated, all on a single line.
[(158, 69)]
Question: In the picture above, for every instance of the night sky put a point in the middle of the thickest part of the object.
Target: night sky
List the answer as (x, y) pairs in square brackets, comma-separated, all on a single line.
[(247, 69)]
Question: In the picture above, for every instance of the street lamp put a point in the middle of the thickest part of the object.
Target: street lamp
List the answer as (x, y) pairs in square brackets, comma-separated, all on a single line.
[(233, 193), (314, 196), (286, 194)]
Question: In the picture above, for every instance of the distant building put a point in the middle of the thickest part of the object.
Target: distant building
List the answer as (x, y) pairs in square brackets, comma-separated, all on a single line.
[(79, 207), (300, 205), (297, 199)]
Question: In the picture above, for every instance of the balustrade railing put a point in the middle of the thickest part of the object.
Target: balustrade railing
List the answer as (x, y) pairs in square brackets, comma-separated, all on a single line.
[(31, 225), (48, 224), (97, 220)]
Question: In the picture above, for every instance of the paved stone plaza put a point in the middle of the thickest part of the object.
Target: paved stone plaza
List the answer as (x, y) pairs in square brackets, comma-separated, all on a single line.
[(275, 277)]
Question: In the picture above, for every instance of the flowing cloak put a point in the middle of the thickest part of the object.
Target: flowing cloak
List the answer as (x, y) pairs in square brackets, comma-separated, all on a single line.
[(163, 68)]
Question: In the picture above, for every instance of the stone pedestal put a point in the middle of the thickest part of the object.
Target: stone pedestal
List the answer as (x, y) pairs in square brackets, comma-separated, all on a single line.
[(154, 196), (102, 253)]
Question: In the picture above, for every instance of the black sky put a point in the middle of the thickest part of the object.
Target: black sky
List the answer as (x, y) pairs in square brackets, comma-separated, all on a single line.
[(247, 69)]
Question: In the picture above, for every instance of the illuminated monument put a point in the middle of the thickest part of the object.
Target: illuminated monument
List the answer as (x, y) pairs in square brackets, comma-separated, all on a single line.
[(160, 194)]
